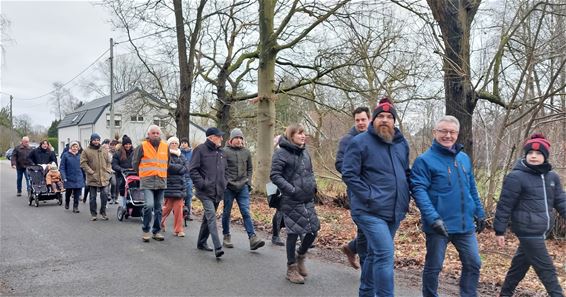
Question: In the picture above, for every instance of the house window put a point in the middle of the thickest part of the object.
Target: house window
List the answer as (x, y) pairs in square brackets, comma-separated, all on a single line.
[(159, 121), (117, 120), (136, 118)]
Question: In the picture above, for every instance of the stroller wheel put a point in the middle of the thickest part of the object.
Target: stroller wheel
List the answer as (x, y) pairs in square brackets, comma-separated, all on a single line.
[(120, 213)]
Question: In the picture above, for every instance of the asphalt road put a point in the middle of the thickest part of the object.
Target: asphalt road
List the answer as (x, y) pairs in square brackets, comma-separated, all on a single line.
[(49, 251)]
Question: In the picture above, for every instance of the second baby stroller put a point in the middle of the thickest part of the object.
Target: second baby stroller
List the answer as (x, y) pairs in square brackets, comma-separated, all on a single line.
[(133, 201)]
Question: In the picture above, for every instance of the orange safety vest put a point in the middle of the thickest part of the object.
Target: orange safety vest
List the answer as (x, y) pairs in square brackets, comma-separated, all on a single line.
[(154, 162)]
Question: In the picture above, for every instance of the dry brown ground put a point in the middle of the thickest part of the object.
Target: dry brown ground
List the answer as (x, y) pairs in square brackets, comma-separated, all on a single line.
[(337, 228)]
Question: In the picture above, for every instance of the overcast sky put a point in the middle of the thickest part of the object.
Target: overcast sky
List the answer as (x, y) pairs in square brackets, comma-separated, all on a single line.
[(51, 41)]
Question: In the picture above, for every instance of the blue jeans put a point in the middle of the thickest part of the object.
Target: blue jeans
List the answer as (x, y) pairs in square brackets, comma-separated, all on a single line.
[(153, 201), (21, 172), (243, 199), (468, 251), (189, 198), (377, 270)]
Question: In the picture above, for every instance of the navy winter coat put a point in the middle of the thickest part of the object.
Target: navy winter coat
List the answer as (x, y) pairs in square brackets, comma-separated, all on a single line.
[(376, 173), (444, 187), (342, 146), (188, 154), (527, 198), (292, 173), (71, 172), (42, 156), (176, 170), (207, 169)]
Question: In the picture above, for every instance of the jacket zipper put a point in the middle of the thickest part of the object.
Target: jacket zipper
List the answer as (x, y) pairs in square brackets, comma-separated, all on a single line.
[(545, 206), (461, 194)]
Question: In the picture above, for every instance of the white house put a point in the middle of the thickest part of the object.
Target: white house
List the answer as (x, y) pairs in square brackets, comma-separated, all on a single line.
[(134, 111)]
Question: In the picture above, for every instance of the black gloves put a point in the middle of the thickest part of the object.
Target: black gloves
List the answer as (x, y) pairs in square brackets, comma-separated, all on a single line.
[(480, 224), (439, 227)]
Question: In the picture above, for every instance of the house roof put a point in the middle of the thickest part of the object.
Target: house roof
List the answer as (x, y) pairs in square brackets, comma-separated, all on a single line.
[(89, 112)]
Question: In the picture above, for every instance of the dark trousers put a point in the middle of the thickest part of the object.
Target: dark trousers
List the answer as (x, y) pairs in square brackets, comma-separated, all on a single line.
[(532, 252), (103, 199), (76, 192), (208, 226), (277, 223), (306, 242)]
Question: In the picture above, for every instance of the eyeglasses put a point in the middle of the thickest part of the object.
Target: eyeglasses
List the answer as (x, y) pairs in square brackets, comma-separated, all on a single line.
[(447, 132)]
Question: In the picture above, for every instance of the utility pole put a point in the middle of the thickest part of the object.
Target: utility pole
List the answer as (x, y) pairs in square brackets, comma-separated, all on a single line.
[(11, 123), (111, 89)]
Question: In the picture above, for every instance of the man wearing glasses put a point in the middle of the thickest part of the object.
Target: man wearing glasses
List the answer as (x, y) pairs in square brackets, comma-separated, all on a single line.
[(445, 190)]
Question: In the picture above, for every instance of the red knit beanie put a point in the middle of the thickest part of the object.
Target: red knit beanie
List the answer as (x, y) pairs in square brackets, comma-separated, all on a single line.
[(384, 105), (537, 142)]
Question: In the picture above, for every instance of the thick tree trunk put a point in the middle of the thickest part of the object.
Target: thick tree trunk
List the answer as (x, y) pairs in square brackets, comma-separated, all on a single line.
[(266, 102), (454, 18), (182, 113), (223, 102)]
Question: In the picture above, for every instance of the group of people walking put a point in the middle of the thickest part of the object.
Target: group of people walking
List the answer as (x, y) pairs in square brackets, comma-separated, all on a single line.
[(373, 158)]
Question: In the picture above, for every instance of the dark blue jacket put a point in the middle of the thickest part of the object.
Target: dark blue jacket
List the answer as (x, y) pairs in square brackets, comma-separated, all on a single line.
[(444, 187), (176, 170), (208, 171), (71, 172), (527, 198), (376, 174), (342, 146), (42, 156), (187, 154)]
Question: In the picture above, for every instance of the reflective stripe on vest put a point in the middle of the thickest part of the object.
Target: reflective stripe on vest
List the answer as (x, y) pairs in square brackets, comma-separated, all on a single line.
[(154, 163)]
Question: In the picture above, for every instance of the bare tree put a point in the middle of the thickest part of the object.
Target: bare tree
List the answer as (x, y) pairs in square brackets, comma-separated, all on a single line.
[(62, 100)]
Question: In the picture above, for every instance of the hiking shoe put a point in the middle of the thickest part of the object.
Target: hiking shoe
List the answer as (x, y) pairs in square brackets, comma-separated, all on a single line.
[(19, 194), (227, 242), (204, 247), (158, 236), (301, 264), (104, 217), (66, 205), (93, 218), (351, 256), (276, 240), (75, 210), (219, 252), (180, 234), (146, 237), (256, 243), (293, 274)]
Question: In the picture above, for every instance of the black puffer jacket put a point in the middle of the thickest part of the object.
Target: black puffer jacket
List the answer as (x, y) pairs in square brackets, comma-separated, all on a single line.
[(176, 170), (118, 165), (42, 156), (207, 169), (527, 198), (292, 173)]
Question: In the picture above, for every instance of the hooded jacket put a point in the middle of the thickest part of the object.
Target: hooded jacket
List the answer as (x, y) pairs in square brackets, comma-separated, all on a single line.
[(42, 156), (444, 187), (208, 171), (292, 173), (96, 165), (376, 175), (527, 199), (71, 172), (176, 170), (239, 168)]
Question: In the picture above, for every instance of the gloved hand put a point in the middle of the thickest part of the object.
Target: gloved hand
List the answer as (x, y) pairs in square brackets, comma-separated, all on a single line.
[(481, 223), (439, 227)]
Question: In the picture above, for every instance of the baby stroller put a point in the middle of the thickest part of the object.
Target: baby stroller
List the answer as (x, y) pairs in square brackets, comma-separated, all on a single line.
[(38, 188), (133, 196)]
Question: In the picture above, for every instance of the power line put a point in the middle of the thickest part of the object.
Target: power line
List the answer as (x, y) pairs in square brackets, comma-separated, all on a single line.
[(72, 79)]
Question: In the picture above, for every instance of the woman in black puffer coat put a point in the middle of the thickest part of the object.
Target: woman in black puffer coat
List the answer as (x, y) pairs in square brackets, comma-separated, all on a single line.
[(292, 173), (176, 191), (43, 154)]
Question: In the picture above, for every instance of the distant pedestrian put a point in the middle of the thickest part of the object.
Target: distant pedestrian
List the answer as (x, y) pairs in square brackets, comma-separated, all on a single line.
[(72, 174), (150, 162), (292, 173), (207, 169), (359, 244), (529, 194), (239, 171), (175, 192), (187, 152), (96, 165), (20, 161), (444, 188)]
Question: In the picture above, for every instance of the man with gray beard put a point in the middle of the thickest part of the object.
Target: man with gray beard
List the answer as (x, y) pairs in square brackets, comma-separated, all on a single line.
[(375, 169)]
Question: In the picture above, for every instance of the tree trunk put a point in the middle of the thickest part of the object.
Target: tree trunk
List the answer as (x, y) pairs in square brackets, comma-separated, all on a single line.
[(454, 18), (266, 102), (224, 101)]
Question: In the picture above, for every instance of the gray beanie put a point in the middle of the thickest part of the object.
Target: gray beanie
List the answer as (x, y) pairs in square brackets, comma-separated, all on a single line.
[(236, 132)]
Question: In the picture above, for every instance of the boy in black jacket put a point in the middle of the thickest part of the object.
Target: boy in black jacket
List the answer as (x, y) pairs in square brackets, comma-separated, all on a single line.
[(529, 194)]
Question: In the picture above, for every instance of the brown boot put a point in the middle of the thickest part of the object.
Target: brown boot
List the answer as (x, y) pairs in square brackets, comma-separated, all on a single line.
[(301, 264), (293, 274)]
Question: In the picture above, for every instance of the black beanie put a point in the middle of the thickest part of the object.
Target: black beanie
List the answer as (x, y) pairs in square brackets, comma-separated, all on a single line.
[(384, 105), (126, 139)]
